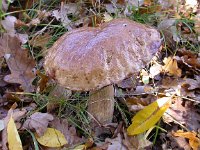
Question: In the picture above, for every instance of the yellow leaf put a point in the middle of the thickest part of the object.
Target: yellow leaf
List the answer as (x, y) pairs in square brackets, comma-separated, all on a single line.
[(171, 67), (80, 147), (52, 138), (14, 141), (149, 116), (193, 140)]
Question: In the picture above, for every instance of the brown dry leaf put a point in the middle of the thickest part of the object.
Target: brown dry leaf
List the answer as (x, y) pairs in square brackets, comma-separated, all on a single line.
[(178, 86), (128, 83), (39, 122), (116, 143), (140, 89), (176, 142), (69, 132), (42, 83), (65, 10), (57, 92), (191, 62), (18, 61), (184, 113), (193, 84), (135, 104), (147, 2), (170, 32), (40, 40), (136, 142), (193, 140), (171, 67), (189, 59)]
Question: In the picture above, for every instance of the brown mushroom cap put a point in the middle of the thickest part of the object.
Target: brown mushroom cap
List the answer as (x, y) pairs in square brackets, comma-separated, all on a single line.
[(90, 58)]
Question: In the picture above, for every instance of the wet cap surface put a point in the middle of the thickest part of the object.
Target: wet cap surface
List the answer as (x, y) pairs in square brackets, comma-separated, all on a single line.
[(91, 58)]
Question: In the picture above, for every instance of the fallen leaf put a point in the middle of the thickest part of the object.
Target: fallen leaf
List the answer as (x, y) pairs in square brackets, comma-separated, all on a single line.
[(140, 89), (14, 141), (16, 115), (169, 30), (9, 24), (39, 122), (189, 59), (42, 83), (155, 70), (178, 86), (147, 3), (52, 138), (69, 132), (167, 4), (193, 84), (171, 67), (1, 125), (80, 147), (65, 10), (128, 83), (149, 116), (197, 24), (40, 40), (107, 17), (111, 7), (176, 142), (136, 142), (183, 113), (5, 5), (145, 76), (191, 62), (116, 143), (193, 140), (19, 63)]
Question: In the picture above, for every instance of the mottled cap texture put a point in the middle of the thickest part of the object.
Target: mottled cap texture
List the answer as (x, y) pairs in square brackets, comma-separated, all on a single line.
[(90, 58)]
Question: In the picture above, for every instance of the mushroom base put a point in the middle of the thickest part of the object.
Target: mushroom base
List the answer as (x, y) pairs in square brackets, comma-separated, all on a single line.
[(101, 106)]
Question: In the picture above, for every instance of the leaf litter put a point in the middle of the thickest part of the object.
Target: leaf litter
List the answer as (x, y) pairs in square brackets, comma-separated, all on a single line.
[(20, 64), (175, 73)]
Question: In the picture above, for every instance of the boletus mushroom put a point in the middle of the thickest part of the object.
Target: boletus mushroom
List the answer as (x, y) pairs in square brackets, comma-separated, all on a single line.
[(94, 58)]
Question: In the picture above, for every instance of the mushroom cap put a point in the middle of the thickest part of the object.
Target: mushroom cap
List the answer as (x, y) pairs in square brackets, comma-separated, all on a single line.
[(90, 58)]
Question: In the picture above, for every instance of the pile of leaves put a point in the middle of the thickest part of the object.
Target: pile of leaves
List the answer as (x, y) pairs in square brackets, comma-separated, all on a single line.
[(159, 110)]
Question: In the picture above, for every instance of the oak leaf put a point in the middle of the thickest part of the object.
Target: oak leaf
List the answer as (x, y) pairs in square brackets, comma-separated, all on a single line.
[(39, 122), (18, 61)]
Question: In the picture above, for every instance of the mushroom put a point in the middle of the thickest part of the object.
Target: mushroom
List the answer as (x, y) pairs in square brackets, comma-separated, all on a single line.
[(94, 58)]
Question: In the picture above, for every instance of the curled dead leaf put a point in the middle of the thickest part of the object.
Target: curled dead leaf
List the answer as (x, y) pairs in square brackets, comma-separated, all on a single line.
[(193, 140), (171, 67)]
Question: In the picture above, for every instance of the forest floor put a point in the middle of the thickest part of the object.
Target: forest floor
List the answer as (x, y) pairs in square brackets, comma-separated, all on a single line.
[(36, 113)]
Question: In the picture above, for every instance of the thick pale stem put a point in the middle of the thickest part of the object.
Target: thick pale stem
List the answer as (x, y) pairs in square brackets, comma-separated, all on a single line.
[(101, 105)]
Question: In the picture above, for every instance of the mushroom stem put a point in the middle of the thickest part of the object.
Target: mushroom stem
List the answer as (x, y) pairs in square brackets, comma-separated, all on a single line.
[(101, 105)]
